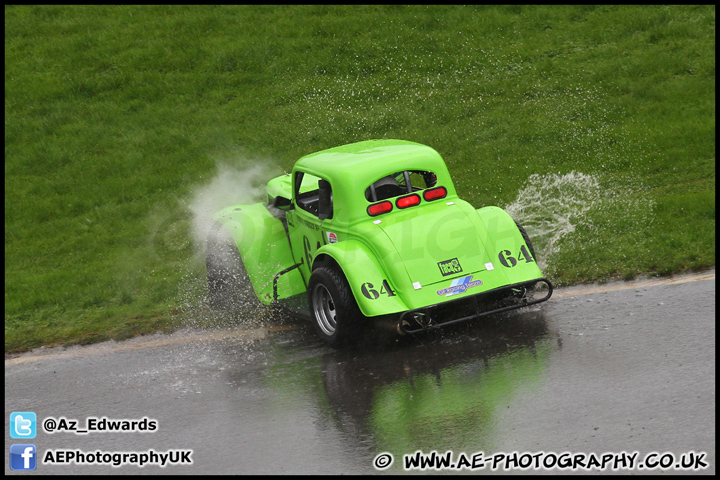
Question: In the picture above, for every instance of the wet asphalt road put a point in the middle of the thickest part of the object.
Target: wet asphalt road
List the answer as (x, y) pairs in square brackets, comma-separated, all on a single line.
[(619, 368)]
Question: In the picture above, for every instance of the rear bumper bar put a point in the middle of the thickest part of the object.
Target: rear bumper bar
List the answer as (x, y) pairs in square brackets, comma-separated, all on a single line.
[(434, 316)]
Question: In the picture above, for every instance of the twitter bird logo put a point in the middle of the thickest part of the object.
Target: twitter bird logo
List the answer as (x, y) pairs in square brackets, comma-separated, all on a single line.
[(23, 425)]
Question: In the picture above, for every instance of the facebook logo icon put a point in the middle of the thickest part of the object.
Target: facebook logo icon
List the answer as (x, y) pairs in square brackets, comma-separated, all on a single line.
[(23, 456), (23, 424)]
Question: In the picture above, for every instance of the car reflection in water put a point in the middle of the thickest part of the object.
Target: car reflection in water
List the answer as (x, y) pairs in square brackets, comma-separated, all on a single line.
[(442, 394), (443, 390)]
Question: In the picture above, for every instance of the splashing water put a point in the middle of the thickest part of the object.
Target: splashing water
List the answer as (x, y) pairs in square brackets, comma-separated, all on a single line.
[(230, 186), (549, 207)]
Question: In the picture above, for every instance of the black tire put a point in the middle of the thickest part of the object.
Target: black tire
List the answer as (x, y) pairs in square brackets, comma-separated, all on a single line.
[(228, 283), (335, 313), (523, 294), (527, 240)]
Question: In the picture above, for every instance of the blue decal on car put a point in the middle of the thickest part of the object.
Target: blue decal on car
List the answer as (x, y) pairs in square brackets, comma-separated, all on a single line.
[(459, 285)]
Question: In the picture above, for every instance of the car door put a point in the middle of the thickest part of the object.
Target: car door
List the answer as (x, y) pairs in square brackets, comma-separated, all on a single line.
[(305, 220)]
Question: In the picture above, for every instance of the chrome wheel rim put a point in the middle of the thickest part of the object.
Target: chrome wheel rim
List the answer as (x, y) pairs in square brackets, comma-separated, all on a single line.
[(324, 309)]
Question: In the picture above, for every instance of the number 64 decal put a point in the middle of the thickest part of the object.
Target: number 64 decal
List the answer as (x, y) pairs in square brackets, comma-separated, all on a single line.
[(368, 289), (506, 258)]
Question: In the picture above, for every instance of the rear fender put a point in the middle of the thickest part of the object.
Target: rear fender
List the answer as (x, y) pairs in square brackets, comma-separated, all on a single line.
[(263, 244), (506, 246), (367, 280)]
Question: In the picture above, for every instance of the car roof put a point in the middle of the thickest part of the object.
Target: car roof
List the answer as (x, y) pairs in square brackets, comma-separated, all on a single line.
[(363, 163), (351, 169)]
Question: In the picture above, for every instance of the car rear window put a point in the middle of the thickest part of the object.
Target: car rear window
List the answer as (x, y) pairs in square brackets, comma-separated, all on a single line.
[(400, 183)]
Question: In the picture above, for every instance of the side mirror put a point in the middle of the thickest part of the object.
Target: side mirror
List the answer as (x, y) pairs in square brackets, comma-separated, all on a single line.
[(282, 203), (325, 207)]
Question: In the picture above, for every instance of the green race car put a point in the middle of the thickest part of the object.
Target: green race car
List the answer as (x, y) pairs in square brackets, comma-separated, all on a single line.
[(372, 230)]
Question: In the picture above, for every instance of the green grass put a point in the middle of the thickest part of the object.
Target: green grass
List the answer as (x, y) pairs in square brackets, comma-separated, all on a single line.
[(116, 115)]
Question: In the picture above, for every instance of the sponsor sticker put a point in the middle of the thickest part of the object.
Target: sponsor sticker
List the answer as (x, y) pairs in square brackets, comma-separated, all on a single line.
[(331, 237), (450, 267), (459, 285)]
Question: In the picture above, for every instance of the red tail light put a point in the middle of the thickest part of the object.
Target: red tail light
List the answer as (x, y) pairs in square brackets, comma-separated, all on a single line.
[(379, 208), (434, 193), (409, 201)]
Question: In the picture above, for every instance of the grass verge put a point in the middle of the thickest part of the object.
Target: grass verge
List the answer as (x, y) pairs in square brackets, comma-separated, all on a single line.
[(115, 116)]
